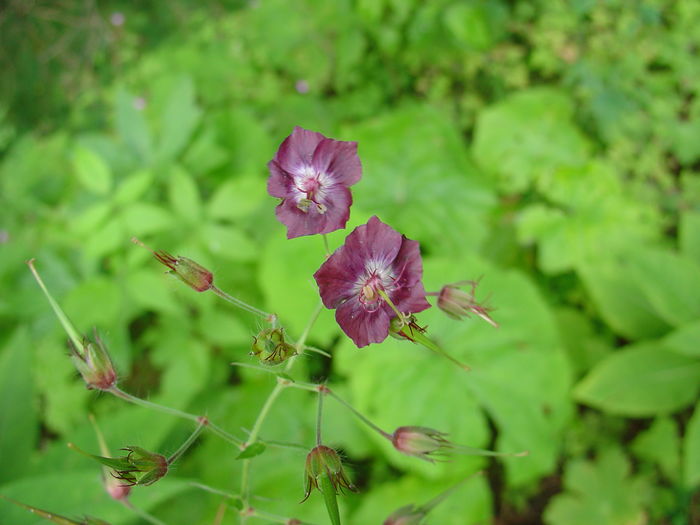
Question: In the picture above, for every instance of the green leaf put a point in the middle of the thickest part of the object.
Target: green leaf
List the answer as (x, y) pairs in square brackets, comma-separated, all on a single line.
[(133, 187), (660, 444), (238, 198), (618, 296), (91, 170), (19, 424), (641, 380), (691, 450), (671, 283), (183, 195), (143, 218), (229, 242), (132, 127), (527, 135), (599, 492), (178, 120), (689, 235), (685, 340), (476, 24), (253, 450)]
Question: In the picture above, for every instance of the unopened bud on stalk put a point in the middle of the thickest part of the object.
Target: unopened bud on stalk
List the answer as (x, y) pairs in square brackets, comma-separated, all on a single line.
[(91, 359), (138, 467), (325, 462), (94, 364), (189, 272), (458, 303), (428, 444), (270, 347)]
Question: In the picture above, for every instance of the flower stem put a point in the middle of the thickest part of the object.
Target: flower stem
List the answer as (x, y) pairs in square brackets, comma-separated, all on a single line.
[(215, 429), (325, 245), (241, 304), (142, 513), (390, 302), (188, 443), (318, 417), (430, 505), (274, 394), (357, 413), (62, 317)]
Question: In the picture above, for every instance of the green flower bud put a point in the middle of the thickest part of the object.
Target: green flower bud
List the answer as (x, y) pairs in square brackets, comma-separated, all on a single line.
[(324, 461), (94, 364), (270, 347), (189, 272), (138, 467)]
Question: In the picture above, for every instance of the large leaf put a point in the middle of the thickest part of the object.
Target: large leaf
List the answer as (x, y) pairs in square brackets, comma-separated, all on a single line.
[(528, 135), (91, 170), (178, 120), (691, 450), (19, 424), (599, 492), (641, 380)]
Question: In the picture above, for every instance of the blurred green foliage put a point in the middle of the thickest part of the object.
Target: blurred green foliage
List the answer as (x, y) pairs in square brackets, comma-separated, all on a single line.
[(552, 147)]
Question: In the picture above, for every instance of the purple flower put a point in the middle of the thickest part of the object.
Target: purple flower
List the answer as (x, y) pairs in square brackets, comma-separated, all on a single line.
[(311, 174), (376, 262)]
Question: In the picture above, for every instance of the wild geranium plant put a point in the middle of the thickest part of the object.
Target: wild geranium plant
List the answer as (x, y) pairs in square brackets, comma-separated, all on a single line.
[(373, 281)]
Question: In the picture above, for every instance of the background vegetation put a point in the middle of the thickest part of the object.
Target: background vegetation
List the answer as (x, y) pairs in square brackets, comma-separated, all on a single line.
[(552, 147)]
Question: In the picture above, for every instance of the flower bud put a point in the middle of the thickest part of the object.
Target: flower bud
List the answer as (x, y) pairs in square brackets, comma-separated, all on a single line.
[(138, 467), (324, 461), (458, 303), (421, 442), (94, 364), (189, 272), (270, 347), (408, 515), (405, 327)]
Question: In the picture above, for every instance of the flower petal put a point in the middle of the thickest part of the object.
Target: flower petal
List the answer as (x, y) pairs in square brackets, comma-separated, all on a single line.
[(280, 182), (311, 221), (338, 159), (361, 326), (297, 150)]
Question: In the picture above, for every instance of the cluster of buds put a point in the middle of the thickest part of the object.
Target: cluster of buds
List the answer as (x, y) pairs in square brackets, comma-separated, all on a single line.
[(324, 462), (270, 347)]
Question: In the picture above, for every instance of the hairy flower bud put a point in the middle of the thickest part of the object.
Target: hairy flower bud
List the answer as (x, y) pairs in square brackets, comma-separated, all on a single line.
[(270, 347), (189, 272), (421, 442), (138, 467), (94, 364), (458, 303), (324, 461)]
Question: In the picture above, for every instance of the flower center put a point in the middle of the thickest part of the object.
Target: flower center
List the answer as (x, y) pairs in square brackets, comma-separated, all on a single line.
[(369, 295), (311, 191)]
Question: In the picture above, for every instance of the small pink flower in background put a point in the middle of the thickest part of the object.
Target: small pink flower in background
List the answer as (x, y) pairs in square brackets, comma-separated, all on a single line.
[(117, 19), (302, 87), (375, 260), (139, 103), (312, 175)]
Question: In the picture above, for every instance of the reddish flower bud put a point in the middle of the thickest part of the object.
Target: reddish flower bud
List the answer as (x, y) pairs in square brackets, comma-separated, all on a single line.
[(189, 272), (421, 442), (458, 303), (94, 364), (324, 461), (270, 347)]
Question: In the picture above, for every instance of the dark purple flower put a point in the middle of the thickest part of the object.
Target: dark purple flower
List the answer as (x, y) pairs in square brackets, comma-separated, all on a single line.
[(311, 174), (375, 260)]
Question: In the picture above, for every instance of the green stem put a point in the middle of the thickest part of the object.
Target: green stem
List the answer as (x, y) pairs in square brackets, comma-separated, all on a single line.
[(215, 429), (281, 385), (384, 296), (188, 443), (325, 245), (358, 414), (430, 505), (330, 498), (241, 304), (274, 517), (418, 337), (62, 317), (319, 413)]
